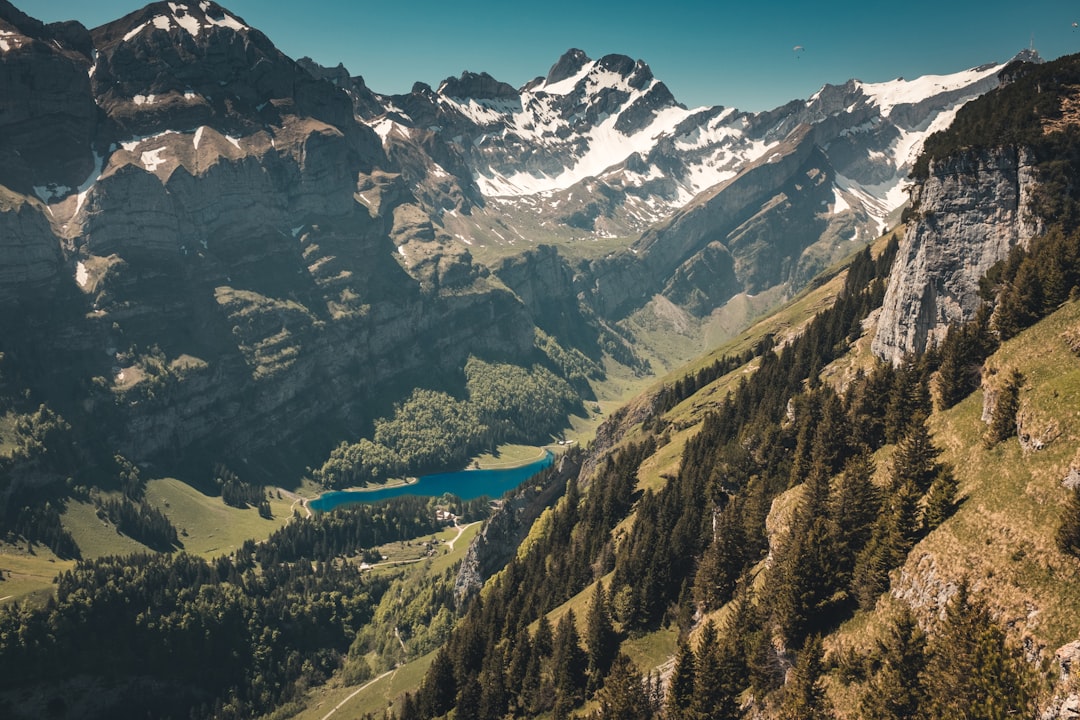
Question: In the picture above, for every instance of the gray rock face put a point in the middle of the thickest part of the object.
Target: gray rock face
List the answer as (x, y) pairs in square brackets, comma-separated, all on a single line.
[(970, 212), (568, 65), (479, 86), (31, 256), (47, 114), (503, 532)]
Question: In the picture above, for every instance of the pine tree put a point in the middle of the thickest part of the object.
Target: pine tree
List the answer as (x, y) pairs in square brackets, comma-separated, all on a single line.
[(624, 695), (1003, 419), (722, 561), (854, 506), (895, 691), (440, 688), (601, 642), (1068, 532), (893, 535), (916, 456), (973, 672), (568, 664), (714, 693), (940, 500), (681, 689), (804, 698)]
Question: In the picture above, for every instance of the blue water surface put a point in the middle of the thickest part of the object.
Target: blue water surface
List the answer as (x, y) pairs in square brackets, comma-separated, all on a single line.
[(466, 484)]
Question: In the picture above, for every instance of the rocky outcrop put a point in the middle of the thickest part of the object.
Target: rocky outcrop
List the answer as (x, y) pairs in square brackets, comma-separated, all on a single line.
[(47, 115), (1064, 703), (508, 525), (31, 255), (479, 86), (970, 212), (722, 243)]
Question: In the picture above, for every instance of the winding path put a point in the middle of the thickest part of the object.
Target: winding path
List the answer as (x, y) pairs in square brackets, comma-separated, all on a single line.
[(357, 691), (460, 530), (296, 499)]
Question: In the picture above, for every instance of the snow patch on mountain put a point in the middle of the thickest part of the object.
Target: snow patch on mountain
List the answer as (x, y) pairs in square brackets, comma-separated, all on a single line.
[(567, 85), (887, 95)]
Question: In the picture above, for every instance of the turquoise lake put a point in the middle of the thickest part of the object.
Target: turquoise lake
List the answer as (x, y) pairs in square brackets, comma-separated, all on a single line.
[(466, 484)]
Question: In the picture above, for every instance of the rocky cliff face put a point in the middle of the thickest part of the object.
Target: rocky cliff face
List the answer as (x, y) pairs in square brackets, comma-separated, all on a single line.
[(711, 201), (190, 252), (232, 250), (970, 212)]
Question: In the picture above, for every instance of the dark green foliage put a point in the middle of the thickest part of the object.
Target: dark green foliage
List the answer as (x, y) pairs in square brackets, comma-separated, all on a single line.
[(681, 688), (894, 533), (1003, 418), (131, 483), (235, 492), (44, 438), (41, 524), (1068, 532), (140, 521), (349, 530), (601, 640), (940, 499), (973, 671), (433, 430), (908, 398), (854, 506), (568, 662), (624, 695), (895, 691), (962, 354), (916, 456), (716, 679), (1028, 285), (440, 687), (804, 698), (223, 639), (723, 561)]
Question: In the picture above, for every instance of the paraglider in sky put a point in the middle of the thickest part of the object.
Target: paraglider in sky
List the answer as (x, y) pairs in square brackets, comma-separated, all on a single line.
[(798, 50)]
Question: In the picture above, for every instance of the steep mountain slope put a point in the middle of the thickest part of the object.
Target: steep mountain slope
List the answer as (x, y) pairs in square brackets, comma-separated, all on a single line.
[(600, 149), (218, 249), (195, 265), (833, 536), (828, 535)]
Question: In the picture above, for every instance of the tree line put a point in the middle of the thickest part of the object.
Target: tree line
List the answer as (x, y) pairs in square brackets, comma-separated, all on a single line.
[(433, 430)]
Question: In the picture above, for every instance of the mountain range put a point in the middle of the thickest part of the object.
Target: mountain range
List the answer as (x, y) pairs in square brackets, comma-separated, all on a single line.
[(813, 372), (227, 250)]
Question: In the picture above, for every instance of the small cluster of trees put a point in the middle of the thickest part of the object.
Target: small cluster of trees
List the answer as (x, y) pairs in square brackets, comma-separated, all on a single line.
[(966, 667), (140, 521), (35, 524), (239, 494), (1031, 283), (349, 530), (433, 430)]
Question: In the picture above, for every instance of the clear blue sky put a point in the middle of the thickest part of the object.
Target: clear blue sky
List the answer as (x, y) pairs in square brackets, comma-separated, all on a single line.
[(708, 53)]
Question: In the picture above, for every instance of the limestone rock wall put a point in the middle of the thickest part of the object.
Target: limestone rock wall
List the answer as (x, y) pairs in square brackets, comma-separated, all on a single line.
[(970, 212)]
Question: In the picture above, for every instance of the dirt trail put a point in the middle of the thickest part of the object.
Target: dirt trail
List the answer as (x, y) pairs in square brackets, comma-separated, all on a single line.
[(357, 691), (460, 530), (296, 499)]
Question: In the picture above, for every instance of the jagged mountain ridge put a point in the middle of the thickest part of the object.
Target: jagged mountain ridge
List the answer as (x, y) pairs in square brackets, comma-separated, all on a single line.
[(612, 121), (221, 224), (601, 149)]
